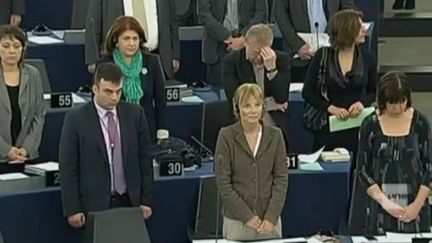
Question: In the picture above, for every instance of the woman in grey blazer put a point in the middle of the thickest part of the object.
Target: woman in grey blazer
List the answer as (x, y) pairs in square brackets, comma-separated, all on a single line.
[(251, 171), (21, 102)]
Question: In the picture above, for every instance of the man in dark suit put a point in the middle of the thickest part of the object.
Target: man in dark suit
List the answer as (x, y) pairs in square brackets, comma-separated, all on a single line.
[(270, 69), (305, 16), (102, 13), (225, 22), (105, 159), (11, 11)]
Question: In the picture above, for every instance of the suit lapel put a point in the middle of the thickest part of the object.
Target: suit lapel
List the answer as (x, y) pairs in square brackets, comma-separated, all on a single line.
[(94, 124), (4, 96), (305, 7), (123, 132), (241, 139), (24, 81)]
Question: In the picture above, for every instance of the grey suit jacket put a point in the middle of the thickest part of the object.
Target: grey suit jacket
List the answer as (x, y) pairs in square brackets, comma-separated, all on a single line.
[(32, 113), (102, 13), (8, 7), (86, 181), (251, 186), (292, 17), (211, 14)]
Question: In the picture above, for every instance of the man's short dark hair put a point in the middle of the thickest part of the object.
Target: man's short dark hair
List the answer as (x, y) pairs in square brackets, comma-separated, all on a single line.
[(393, 87), (108, 72)]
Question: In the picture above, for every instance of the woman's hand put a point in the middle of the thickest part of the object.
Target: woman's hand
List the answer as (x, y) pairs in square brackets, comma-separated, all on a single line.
[(340, 113), (355, 109)]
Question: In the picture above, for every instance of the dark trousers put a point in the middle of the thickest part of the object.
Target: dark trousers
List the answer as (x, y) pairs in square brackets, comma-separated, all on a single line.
[(119, 201), (298, 73), (214, 70)]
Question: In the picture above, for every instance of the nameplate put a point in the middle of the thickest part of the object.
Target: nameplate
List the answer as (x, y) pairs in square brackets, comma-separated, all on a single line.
[(172, 94), (52, 178), (61, 100), (292, 160), (170, 168)]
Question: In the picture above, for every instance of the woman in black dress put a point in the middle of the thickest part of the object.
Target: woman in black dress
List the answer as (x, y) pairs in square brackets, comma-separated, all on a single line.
[(394, 161), (350, 79)]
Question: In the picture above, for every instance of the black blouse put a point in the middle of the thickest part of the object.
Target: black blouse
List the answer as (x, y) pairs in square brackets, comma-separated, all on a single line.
[(15, 125), (359, 84)]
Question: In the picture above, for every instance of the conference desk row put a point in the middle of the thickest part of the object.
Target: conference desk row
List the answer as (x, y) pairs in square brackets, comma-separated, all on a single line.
[(315, 200), (183, 120)]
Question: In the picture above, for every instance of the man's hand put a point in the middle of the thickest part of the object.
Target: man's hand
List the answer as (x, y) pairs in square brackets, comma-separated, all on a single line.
[(235, 44), (91, 68), (282, 107), (355, 109), (269, 58), (176, 65), (77, 220), (411, 212), (146, 211), (254, 223), (305, 53), (15, 157), (340, 113), (15, 19), (265, 227)]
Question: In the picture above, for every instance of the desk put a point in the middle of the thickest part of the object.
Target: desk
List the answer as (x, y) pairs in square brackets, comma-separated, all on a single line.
[(183, 121), (315, 200)]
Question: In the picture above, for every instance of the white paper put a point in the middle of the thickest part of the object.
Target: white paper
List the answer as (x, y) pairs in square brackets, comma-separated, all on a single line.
[(296, 87), (310, 158), (77, 99), (47, 166), (400, 237), (192, 99), (59, 33), (311, 166), (44, 40), (12, 176), (359, 239), (260, 241), (311, 39)]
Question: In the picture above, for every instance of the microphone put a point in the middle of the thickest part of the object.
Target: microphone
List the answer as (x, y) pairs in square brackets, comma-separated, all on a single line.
[(209, 152), (316, 24)]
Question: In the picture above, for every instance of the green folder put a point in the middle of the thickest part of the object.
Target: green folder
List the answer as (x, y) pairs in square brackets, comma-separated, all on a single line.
[(337, 124)]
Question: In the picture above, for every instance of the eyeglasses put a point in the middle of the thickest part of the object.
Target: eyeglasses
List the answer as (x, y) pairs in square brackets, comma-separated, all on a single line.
[(327, 236)]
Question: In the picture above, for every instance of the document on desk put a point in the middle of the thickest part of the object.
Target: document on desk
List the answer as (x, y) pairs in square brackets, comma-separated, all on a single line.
[(296, 87), (12, 176), (337, 124), (401, 237), (192, 99), (311, 166), (310, 158), (77, 99), (44, 40)]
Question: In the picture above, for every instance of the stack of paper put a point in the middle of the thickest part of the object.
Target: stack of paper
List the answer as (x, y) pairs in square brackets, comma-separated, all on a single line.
[(42, 168), (44, 40), (12, 176)]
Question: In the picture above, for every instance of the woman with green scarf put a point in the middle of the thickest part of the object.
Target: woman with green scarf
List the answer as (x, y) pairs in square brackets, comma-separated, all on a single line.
[(143, 81)]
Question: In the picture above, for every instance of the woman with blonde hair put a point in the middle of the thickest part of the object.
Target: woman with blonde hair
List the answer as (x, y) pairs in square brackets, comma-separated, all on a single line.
[(251, 170)]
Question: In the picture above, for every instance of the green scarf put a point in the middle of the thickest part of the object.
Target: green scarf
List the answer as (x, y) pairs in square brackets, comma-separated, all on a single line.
[(132, 88)]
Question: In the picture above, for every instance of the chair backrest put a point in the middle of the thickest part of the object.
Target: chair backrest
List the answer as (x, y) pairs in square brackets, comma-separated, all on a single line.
[(208, 211), (216, 115), (40, 65), (79, 14), (125, 225)]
